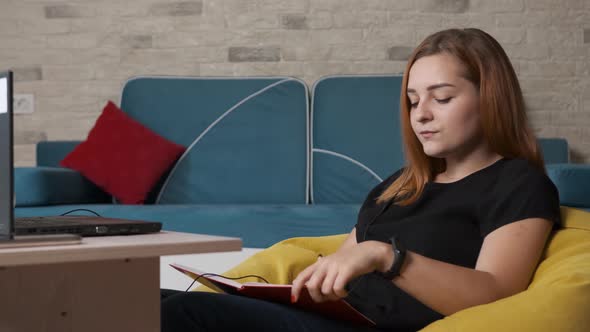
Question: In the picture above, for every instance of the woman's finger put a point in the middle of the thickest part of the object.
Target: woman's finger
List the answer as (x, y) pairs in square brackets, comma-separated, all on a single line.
[(314, 284), (339, 286), (300, 281), (328, 283)]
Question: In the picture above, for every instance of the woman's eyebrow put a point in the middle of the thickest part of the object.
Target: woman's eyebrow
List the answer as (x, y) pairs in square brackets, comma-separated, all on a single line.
[(433, 87)]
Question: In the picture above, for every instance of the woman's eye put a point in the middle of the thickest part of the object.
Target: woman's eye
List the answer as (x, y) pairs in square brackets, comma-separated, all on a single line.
[(414, 105), (444, 101)]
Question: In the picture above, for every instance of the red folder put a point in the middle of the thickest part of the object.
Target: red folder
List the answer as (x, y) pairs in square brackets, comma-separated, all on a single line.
[(339, 309)]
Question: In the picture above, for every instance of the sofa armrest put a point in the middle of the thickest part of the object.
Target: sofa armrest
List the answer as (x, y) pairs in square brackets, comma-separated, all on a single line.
[(50, 153), (572, 182), (37, 186)]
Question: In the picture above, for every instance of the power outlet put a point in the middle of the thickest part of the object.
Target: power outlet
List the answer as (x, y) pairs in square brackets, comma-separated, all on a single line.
[(24, 103)]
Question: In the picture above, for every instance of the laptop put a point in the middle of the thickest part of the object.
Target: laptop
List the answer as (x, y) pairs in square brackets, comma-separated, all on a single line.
[(46, 225)]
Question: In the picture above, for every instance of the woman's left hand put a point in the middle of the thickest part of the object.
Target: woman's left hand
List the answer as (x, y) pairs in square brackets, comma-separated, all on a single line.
[(327, 277)]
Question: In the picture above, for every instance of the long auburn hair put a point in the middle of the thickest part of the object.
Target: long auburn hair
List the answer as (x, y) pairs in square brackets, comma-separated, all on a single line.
[(503, 118)]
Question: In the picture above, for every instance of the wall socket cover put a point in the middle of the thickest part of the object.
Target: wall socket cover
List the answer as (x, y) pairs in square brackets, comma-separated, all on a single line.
[(24, 103)]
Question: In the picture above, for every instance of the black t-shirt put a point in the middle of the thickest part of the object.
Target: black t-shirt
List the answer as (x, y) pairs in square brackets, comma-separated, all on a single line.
[(448, 223)]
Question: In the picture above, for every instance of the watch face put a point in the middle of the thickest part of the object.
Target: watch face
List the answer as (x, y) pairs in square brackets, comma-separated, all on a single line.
[(398, 260), (397, 245)]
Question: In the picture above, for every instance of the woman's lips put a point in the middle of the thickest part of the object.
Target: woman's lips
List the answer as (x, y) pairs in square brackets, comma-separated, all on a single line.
[(427, 133)]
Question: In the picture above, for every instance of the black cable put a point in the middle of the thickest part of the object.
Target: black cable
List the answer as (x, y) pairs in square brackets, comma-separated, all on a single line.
[(219, 275), (96, 214)]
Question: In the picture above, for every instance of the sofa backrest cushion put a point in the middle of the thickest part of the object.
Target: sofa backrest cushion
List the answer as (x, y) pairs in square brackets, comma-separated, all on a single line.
[(572, 181), (555, 150), (246, 138), (356, 138)]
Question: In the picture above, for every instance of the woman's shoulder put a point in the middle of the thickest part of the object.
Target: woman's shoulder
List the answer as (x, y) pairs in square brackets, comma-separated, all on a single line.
[(519, 190), (518, 172), (520, 167)]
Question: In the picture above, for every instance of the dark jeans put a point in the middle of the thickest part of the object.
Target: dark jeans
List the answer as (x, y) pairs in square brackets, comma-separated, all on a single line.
[(199, 311)]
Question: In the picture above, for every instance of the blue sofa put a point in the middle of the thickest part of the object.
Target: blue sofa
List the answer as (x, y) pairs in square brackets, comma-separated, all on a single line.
[(267, 159)]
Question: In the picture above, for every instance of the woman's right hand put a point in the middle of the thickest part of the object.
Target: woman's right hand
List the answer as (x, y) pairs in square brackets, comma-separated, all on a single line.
[(326, 279)]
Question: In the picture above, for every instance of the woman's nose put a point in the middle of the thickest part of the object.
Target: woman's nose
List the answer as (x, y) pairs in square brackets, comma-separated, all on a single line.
[(422, 113)]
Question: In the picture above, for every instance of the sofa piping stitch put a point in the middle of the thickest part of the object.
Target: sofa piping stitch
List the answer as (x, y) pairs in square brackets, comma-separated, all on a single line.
[(347, 158)]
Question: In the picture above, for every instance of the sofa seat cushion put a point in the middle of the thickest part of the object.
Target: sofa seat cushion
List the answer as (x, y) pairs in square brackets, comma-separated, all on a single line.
[(259, 226)]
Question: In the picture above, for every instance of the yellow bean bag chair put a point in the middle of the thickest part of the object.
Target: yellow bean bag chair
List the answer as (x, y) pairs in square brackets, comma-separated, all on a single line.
[(558, 298)]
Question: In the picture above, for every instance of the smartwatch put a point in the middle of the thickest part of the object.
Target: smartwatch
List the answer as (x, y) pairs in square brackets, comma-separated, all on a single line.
[(399, 256)]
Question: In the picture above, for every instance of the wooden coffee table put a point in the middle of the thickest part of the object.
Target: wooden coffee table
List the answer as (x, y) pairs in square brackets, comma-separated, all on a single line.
[(106, 283)]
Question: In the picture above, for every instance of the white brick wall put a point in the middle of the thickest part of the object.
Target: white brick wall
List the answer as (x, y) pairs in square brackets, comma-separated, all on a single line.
[(75, 55)]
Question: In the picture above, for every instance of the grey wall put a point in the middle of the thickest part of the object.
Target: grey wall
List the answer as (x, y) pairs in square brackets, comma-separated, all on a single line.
[(75, 55)]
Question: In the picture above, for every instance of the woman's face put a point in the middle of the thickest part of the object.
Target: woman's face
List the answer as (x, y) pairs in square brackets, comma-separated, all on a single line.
[(444, 107)]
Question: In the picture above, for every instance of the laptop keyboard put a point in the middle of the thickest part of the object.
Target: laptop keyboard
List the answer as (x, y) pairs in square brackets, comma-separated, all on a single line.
[(47, 225), (35, 222)]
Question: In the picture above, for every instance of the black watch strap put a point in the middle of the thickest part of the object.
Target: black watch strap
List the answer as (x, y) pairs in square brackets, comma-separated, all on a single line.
[(399, 256)]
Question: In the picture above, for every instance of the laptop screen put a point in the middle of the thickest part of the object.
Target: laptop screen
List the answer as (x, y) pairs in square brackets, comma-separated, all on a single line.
[(3, 95), (6, 166)]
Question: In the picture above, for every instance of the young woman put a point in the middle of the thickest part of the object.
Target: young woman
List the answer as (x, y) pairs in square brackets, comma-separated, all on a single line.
[(463, 224)]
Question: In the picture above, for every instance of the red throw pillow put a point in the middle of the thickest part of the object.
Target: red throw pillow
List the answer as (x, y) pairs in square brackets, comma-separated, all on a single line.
[(122, 156)]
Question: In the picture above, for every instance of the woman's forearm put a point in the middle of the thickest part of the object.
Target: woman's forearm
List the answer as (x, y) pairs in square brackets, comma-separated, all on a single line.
[(444, 287)]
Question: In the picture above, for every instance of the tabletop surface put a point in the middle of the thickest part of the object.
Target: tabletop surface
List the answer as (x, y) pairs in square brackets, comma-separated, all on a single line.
[(117, 247)]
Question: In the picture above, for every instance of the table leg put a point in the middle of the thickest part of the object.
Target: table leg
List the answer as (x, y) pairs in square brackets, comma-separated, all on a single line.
[(115, 295)]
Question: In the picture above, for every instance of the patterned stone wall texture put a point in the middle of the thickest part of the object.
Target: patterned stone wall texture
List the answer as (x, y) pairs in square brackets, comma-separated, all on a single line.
[(73, 56)]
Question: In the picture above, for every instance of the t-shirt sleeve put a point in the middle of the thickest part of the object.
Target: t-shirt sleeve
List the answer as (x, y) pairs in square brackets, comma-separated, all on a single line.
[(518, 197)]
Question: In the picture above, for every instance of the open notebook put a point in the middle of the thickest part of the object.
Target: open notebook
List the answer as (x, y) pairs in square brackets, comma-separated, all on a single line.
[(340, 310)]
